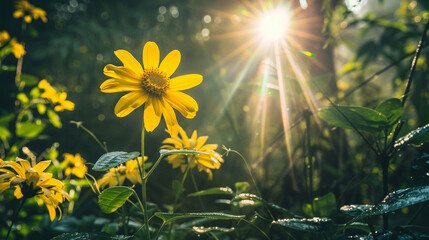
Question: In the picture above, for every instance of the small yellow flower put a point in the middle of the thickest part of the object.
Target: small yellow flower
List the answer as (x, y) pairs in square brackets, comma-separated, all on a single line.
[(30, 181), (4, 37), (63, 103), (52, 95), (152, 86), (129, 171), (76, 165), (27, 11), (17, 48), (204, 162)]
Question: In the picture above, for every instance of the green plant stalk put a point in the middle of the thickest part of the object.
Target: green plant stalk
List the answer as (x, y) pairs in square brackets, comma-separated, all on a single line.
[(144, 182), (80, 125), (196, 189), (15, 216), (385, 172)]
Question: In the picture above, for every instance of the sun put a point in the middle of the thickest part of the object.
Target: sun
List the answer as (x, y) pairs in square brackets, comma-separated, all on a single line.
[(273, 25)]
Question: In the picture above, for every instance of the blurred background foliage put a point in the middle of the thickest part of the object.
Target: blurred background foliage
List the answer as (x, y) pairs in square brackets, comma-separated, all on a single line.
[(351, 41)]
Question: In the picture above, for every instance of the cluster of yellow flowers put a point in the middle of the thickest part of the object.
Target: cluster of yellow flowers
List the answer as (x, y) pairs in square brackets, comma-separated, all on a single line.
[(28, 12), (16, 48), (75, 165), (30, 180), (56, 98), (116, 176)]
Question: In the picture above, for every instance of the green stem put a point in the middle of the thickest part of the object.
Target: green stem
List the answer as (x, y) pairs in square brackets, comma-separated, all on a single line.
[(159, 231), (80, 125), (153, 167), (144, 182), (15, 216), (196, 189)]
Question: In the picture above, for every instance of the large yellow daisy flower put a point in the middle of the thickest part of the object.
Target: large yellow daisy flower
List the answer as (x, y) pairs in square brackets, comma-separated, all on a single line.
[(152, 86), (30, 181), (204, 162)]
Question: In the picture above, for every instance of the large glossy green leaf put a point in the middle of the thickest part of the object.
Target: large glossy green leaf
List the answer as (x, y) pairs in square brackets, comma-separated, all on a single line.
[(308, 224), (29, 129), (392, 109), (364, 119), (90, 236), (397, 200), (113, 198), (213, 191), (355, 210), (112, 159), (170, 217), (417, 136)]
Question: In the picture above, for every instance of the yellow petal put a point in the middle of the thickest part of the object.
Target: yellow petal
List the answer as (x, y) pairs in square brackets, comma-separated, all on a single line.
[(42, 165), (58, 108), (17, 193), (208, 147), (170, 63), (121, 73), (185, 81), (151, 119), (150, 55), (184, 137), (119, 85), (184, 99), (129, 102), (68, 105), (170, 118), (27, 19), (129, 61), (201, 141), (194, 135)]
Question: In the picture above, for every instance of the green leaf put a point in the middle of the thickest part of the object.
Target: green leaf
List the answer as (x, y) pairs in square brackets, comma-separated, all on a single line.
[(213, 191), (54, 118), (201, 229), (90, 236), (4, 133), (397, 200), (113, 198), (364, 119), (8, 68), (355, 210), (35, 92), (29, 129), (22, 98), (392, 109), (241, 187), (4, 51), (28, 80), (325, 206), (165, 152), (309, 224), (417, 136), (112, 159), (170, 217), (41, 108), (5, 119)]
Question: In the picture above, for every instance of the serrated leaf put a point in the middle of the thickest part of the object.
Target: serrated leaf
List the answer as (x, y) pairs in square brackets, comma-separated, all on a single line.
[(213, 191), (164, 152), (113, 198), (364, 119), (170, 217), (397, 200), (29, 129), (308, 224), (355, 210), (4, 133), (392, 109), (90, 236), (54, 118), (201, 229), (417, 136), (112, 159)]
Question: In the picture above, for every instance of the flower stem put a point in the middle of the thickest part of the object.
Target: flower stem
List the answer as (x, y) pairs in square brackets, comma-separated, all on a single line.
[(15, 216), (196, 189), (144, 181)]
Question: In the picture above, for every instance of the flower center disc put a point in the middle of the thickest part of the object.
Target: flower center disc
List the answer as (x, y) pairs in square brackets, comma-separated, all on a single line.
[(155, 82)]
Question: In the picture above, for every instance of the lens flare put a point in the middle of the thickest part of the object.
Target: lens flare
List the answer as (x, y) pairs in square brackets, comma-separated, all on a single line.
[(274, 24)]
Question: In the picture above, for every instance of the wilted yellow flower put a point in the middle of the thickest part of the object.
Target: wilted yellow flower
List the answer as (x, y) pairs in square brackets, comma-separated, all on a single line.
[(56, 98), (152, 86), (27, 11), (205, 162), (129, 170), (17, 48), (4, 37), (30, 181), (75, 165)]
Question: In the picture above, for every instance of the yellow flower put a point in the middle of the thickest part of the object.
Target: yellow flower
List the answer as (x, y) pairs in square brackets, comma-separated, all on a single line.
[(152, 86), (76, 165), (204, 162), (63, 103), (51, 94), (129, 170), (27, 11), (17, 48), (4, 37), (30, 181)]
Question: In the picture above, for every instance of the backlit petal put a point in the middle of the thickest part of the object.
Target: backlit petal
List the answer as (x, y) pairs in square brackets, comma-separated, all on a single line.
[(42, 165), (129, 61), (186, 110), (121, 73), (119, 85), (150, 55), (182, 99), (170, 63), (151, 119), (170, 118), (129, 102), (185, 81)]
